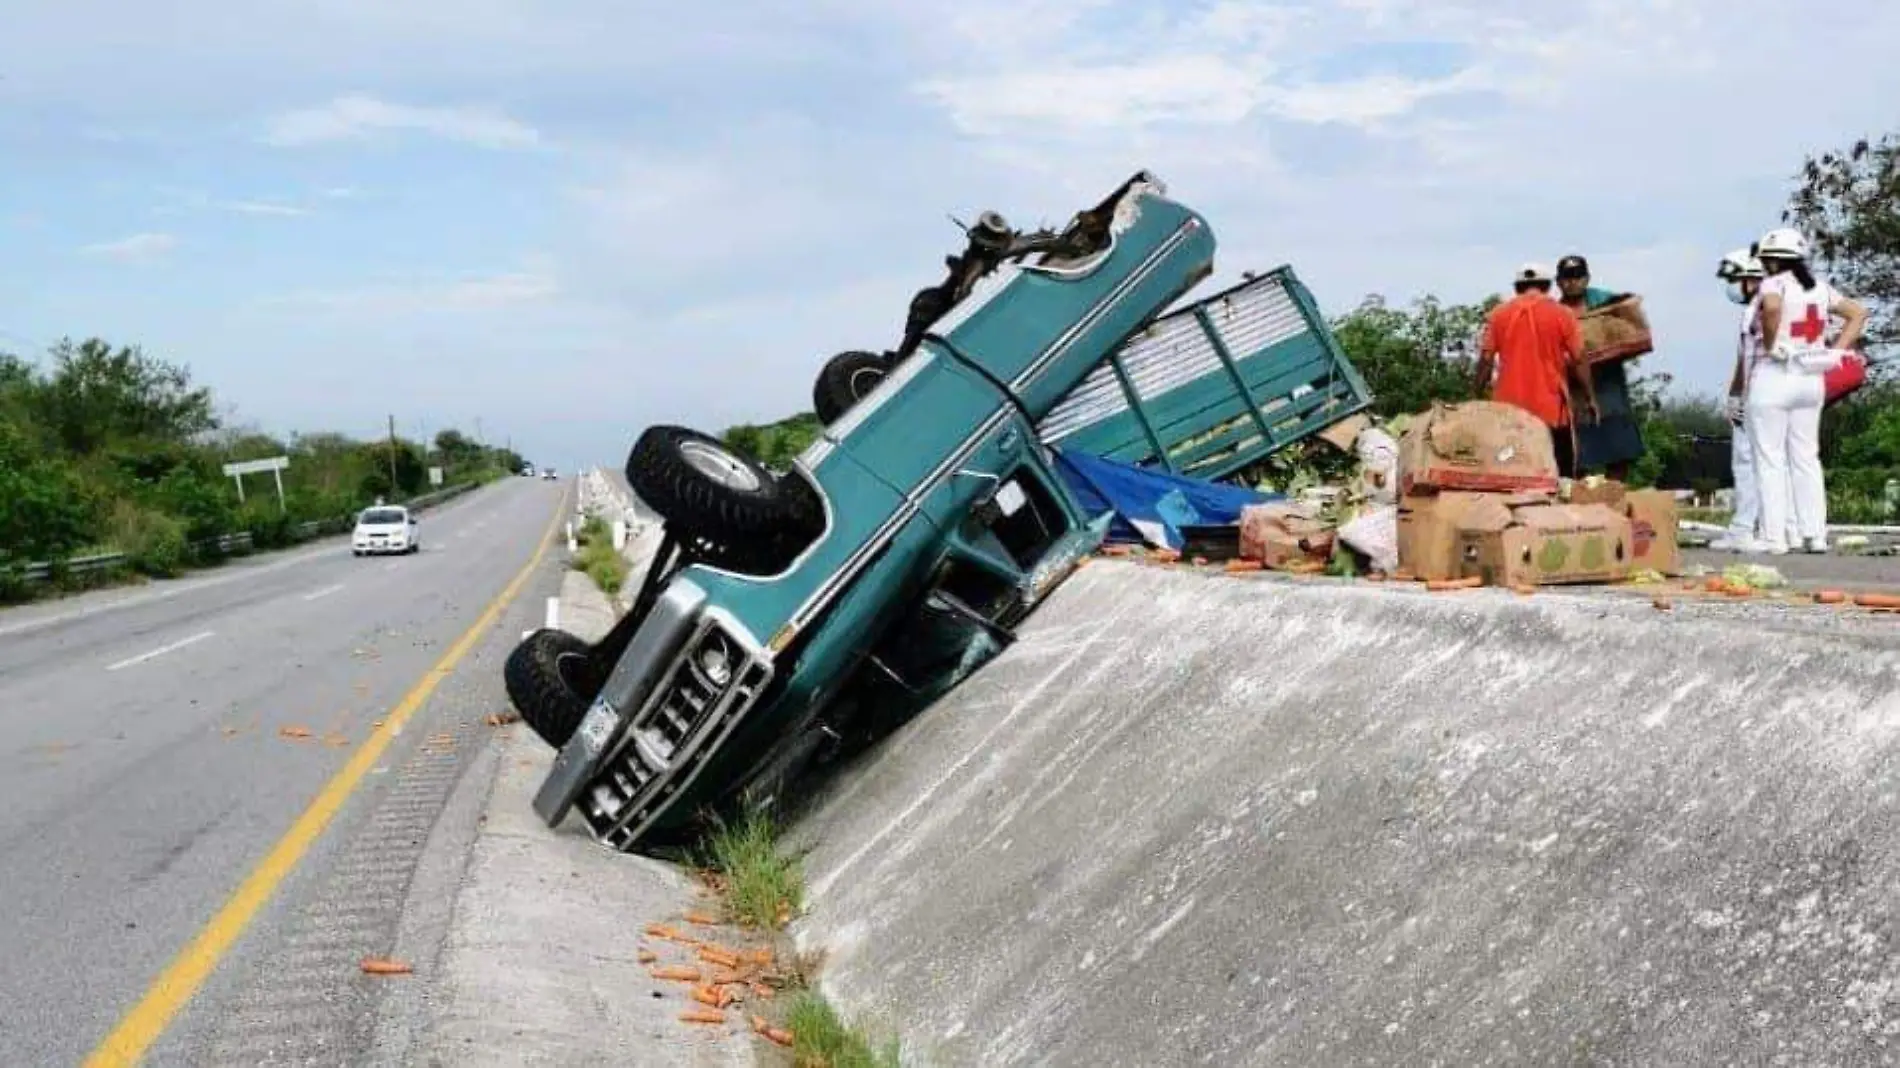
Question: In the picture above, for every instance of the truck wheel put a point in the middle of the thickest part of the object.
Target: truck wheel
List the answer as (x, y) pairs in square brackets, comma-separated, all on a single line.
[(846, 379), (551, 680), (724, 508)]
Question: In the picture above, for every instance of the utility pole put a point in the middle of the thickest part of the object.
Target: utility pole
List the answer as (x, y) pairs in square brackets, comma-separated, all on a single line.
[(392, 456)]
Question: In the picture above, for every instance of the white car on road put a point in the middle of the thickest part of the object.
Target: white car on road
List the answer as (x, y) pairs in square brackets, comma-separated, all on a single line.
[(385, 529)]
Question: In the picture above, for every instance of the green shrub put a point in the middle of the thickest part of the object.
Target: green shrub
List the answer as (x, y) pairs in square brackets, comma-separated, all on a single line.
[(270, 528), (205, 506), (48, 511), (154, 542)]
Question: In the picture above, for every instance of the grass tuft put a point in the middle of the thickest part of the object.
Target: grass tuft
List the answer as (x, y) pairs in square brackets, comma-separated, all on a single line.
[(597, 558), (822, 1039), (763, 887)]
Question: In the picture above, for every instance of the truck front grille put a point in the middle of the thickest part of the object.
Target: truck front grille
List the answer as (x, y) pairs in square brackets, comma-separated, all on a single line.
[(704, 693)]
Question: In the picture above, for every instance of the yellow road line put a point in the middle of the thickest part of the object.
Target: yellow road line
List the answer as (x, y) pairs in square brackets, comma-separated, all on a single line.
[(187, 972)]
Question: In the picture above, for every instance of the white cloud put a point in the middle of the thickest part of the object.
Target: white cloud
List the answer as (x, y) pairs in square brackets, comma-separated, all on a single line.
[(263, 207), (138, 248), (357, 116), (1114, 96), (535, 284)]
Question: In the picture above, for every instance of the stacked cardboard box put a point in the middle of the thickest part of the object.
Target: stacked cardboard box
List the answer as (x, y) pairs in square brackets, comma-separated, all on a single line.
[(1481, 496)]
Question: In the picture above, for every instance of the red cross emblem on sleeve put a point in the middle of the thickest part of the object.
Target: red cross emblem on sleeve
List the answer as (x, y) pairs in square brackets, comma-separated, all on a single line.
[(1810, 327)]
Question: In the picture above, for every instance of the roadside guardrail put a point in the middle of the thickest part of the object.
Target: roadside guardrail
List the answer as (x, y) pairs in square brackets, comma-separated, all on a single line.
[(240, 542)]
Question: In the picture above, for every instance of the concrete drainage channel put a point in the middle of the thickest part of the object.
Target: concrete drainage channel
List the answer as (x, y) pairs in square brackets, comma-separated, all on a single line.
[(1197, 819), (1192, 818)]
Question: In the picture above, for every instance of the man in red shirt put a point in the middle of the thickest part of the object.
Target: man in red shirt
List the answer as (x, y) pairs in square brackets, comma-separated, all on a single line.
[(1536, 349)]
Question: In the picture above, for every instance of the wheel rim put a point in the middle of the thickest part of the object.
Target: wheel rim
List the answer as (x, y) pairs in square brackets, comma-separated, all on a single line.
[(864, 380), (719, 465)]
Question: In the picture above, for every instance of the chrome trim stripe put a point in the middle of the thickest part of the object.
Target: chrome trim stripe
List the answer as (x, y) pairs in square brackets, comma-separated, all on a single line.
[(1087, 322)]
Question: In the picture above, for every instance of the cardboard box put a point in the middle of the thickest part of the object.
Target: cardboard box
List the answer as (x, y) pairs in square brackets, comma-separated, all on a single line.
[(1481, 446), (1654, 526), (1608, 336), (1604, 491), (1342, 434), (1283, 532), (1428, 533), (1544, 544)]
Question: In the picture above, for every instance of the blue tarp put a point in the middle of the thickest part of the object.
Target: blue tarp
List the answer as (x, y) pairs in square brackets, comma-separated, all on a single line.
[(1150, 505)]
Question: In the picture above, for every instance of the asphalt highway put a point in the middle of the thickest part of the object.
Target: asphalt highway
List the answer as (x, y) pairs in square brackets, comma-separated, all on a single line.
[(158, 744)]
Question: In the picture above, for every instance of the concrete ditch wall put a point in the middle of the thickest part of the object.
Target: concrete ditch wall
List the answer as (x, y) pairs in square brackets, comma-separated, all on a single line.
[(1197, 819)]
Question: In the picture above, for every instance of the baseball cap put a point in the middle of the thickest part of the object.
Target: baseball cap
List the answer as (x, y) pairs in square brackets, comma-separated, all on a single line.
[(1573, 266), (1532, 272)]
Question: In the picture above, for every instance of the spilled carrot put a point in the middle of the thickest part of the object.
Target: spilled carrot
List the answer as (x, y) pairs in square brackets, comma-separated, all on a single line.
[(1523, 589), (760, 990), (707, 995), (701, 919), (778, 1036), (703, 1016), (684, 973), (715, 955), (383, 966), (1830, 597), (1470, 582), (647, 956), (1877, 600), (294, 732), (1245, 565)]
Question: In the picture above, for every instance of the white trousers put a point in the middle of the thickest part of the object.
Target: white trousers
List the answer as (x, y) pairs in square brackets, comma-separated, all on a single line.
[(1741, 459), (1784, 430)]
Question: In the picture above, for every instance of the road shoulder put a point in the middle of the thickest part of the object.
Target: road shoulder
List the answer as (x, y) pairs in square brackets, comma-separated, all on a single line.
[(539, 963)]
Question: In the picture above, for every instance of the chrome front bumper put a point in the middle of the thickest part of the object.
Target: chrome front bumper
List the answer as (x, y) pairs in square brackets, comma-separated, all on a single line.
[(690, 674)]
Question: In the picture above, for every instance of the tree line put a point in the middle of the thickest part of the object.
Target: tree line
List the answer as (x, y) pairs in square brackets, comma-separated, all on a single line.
[(110, 448), (1847, 202)]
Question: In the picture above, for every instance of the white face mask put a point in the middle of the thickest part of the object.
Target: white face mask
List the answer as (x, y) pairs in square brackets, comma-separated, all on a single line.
[(1735, 293)]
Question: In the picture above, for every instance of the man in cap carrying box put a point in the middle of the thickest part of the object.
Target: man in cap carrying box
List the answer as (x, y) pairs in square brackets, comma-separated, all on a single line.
[(1535, 348), (1613, 441)]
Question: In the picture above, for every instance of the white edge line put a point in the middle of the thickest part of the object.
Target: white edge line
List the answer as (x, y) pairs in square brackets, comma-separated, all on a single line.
[(324, 592), (160, 651)]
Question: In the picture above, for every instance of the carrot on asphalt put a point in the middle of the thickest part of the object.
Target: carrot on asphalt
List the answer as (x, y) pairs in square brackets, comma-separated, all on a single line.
[(703, 1016)]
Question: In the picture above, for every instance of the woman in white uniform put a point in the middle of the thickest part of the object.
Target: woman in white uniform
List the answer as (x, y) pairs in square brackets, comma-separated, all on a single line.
[(1743, 274), (1785, 394)]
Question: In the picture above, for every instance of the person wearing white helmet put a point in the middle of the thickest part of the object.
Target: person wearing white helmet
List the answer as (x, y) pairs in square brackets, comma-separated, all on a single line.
[(1742, 273), (1785, 391)]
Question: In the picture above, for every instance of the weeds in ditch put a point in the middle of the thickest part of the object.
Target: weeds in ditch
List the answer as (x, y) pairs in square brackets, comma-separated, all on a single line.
[(822, 1039), (596, 557), (763, 887)]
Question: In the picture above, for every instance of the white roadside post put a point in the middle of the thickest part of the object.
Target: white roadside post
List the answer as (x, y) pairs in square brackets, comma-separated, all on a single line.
[(620, 534)]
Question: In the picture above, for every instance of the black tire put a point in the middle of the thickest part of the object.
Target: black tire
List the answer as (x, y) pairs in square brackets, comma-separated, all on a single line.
[(723, 508), (846, 379), (552, 679)]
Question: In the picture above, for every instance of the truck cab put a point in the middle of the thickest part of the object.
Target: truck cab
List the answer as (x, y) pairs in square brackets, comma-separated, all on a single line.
[(929, 507)]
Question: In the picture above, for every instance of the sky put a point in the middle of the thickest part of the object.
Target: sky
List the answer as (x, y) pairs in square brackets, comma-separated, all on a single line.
[(566, 222)]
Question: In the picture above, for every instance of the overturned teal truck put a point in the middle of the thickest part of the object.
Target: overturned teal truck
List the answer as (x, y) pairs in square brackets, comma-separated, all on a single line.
[(784, 611)]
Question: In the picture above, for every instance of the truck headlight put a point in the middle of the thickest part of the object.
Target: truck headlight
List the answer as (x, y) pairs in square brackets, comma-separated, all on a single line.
[(715, 660)]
